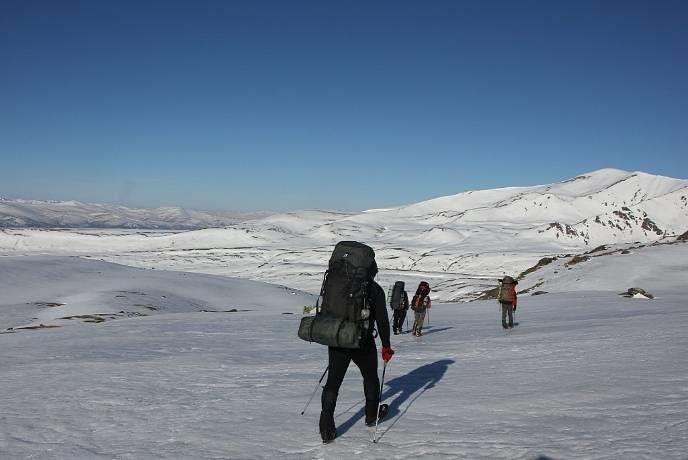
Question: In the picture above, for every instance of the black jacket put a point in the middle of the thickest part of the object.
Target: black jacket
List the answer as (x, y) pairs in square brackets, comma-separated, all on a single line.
[(378, 315)]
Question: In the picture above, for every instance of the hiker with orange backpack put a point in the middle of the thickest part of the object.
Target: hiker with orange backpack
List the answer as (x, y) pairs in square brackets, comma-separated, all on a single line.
[(507, 299), (420, 303)]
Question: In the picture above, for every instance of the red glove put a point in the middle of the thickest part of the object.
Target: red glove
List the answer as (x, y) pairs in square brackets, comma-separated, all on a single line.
[(387, 353)]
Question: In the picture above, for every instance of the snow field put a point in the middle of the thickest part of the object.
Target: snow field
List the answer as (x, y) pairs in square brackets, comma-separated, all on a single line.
[(586, 374)]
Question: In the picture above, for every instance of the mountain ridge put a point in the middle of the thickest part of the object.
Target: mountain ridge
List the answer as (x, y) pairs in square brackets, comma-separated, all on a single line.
[(459, 243), (23, 213)]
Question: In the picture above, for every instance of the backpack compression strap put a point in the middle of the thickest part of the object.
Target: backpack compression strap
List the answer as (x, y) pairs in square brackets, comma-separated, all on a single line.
[(322, 293)]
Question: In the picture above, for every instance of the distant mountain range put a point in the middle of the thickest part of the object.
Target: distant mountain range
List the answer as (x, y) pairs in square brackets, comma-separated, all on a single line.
[(601, 206), (459, 243), (75, 214)]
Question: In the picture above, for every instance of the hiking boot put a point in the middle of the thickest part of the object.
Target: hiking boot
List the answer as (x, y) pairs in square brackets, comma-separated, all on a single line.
[(504, 325), (396, 331), (370, 410), (370, 419), (327, 428)]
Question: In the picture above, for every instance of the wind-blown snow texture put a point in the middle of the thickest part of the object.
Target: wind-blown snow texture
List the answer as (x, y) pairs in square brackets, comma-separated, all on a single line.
[(459, 243), (586, 374)]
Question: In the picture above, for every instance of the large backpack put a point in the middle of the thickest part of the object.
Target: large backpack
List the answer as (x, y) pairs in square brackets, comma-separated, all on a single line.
[(343, 318), (396, 298), (506, 289), (422, 291)]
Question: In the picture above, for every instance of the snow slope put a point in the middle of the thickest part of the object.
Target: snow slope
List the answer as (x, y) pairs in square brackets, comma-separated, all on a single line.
[(586, 373), (54, 291), (654, 268)]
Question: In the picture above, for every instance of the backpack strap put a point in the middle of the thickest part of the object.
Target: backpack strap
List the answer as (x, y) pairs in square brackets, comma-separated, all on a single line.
[(336, 336), (365, 321), (322, 293)]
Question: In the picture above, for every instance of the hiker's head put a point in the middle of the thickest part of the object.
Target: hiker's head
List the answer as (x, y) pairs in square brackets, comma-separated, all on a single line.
[(373, 270), (423, 288)]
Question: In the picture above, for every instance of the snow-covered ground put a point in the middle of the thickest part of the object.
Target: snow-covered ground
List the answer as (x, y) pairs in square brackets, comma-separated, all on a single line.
[(586, 373), (50, 291)]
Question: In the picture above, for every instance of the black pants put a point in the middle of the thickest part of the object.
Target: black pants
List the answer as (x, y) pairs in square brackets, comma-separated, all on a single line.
[(339, 359), (365, 359), (398, 322)]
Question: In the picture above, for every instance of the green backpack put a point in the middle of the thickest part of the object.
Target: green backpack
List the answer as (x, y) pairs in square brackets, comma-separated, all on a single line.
[(343, 318)]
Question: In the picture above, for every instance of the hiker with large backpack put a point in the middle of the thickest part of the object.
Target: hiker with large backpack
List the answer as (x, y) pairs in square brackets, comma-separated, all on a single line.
[(508, 300), (420, 303), (353, 304), (399, 303)]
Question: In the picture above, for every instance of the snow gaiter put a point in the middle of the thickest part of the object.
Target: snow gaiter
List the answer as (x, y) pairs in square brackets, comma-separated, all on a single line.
[(327, 429), (370, 411)]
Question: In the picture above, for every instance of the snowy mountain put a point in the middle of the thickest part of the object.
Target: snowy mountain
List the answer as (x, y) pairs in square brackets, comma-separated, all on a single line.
[(459, 243), (74, 214)]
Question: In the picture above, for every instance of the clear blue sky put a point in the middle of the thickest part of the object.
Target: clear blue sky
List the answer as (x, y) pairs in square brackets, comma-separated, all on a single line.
[(282, 105)]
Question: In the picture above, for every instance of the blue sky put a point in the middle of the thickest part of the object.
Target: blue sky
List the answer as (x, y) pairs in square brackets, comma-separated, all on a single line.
[(283, 105)]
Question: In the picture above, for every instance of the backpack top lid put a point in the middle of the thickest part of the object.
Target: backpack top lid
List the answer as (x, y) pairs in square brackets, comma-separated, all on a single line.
[(509, 280), (354, 258), (395, 300), (423, 288)]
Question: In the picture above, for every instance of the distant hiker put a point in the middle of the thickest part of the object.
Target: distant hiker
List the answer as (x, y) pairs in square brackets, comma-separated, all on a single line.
[(420, 303), (399, 303), (507, 299), (352, 305)]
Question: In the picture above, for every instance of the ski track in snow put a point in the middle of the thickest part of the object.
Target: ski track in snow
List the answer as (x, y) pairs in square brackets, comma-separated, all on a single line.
[(586, 374)]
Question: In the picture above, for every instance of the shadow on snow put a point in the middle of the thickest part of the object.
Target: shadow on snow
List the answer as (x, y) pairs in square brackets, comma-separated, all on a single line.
[(437, 329), (400, 389)]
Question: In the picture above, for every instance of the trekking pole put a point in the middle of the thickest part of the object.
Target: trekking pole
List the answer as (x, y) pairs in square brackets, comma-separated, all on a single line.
[(379, 401), (316, 389), (428, 317)]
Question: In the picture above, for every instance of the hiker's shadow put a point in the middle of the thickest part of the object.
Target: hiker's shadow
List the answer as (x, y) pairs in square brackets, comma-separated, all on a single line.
[(402, 388), (439, 329)]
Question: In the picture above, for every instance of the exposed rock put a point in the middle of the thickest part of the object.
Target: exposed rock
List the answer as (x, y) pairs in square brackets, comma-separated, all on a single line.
[(651, 226), (564, 229), (635, 291), (577, 259), (489, 295), (541, 263), (597, 249)]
